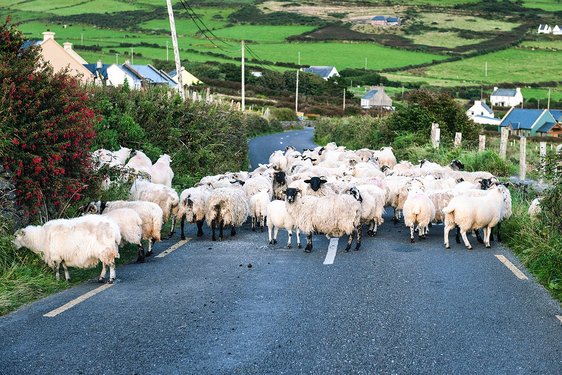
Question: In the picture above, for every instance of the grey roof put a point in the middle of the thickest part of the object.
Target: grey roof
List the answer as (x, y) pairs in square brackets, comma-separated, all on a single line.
[(322, 71), (521, 118), (504, 92), (94, 69), (370, 94), (485, 106)]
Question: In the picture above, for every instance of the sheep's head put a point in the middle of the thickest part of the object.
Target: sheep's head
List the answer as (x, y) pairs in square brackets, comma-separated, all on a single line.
[(18, 240), (92, 208), (384, 168), (354, 192), (487, 183), (291, 194), (457, 165), (280, 177), (315, 183)]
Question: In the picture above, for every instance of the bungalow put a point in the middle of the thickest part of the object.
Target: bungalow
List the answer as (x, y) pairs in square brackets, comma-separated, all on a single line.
[(544, 29), (506, 97), (114, 75), (326, 72), (528, 122), (376, 98), (187, 78), (393, 21), (556, 30), (480, 113), (378, 21), (149, 75)]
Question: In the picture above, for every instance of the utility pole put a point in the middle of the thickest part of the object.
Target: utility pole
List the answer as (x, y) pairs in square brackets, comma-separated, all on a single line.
[(548, 102), (486, 69), (132, 56), (297, 94), (176, 48), (116, 58), (344, 99), (365, 63), (299, 59), (243, 83), (167, 56)]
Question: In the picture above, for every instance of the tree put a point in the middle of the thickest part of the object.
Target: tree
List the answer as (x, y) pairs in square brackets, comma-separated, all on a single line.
[(48, 121)]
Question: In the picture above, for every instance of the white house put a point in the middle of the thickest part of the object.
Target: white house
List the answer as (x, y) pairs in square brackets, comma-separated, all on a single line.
[(326, 72), (376, 98), (556, 30), (544, 29), (480, 113), (506, 97)]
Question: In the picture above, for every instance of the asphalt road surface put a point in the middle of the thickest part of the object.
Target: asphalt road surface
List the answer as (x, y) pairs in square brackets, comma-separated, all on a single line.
[(243, 307)]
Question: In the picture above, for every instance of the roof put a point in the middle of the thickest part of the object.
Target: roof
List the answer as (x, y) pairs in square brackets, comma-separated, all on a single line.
[(485, 106), (393, 19), (29, 43), (504, 92), (546, 127), (557, 114), (520, 118), (94, 69), (378, 18), (370, 94), (149, 73), (322, 71)]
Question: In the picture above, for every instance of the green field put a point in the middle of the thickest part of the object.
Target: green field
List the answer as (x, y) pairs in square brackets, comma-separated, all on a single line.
[(449, 21), (443, 39), (543, 44), (548, 5)]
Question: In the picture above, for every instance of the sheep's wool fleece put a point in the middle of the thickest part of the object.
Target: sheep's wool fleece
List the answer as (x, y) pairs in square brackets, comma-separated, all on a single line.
[(229, 205), (333, 215)]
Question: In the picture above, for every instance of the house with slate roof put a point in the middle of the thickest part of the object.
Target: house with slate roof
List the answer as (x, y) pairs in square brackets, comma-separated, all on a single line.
[(187, 78), (113, 75), (556, 30), (506, 97), (378, 21), (147, 75), (376, 98), (481, 113), (544, 29), (326, 72), (528, 122)]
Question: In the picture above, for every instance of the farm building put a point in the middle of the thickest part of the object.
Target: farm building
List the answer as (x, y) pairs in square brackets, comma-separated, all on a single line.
[(481, 113), (506, 97), (556, 30), (376, 98), (385, 21), (529, 122), (113, 75), (62, 57), (326, 72), (393, 21), (556, 130), (187, 78), (544, 29)]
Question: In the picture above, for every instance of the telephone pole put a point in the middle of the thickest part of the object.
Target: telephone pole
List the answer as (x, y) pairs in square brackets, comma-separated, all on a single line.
[(132, 51), (344, 99), (548, 102), (176, 49), (297, 93), (167, 55), (243, 83)]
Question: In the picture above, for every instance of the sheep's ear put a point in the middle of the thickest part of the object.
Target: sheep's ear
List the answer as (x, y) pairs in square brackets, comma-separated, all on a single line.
[(323, 181), (306, 181), (313, 160)]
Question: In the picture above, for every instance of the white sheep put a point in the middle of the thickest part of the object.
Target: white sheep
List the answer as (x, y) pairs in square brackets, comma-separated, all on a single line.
[(226, 206), (150, 214), (79, 242), (385, 156), (474, 213), (193, 206), (139, 163), (418, 210), (120, 156), (256, 184), (278, 217), (130, 224), (161, 172), (535, 207), (278, 161), (258, 208), (164, 196)]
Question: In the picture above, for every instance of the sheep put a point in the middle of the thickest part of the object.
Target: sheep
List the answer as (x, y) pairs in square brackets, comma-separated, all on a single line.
[(279, 185), (257, 183), (418, 209), (333, 215), (79, 242), (258, 208), (535, 208), (139, 166), (161, 172), (150, 213), (278, 217), (474, 213), (396, 194), (372, 206), (165, 197), (193, 206), (385, 156), (278, 161), (130, 225), (101, 157), (440, 200), (316, 186), (226, 206)]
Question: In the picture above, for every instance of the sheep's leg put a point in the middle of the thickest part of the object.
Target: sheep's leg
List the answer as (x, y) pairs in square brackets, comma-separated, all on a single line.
[(56, 269), (396, 216), (199, 228), (478, 236), (221, 230), (359, 237), (182, 223), (111, 273), (446, 230), (66, 273), (465, 240), (213, 227), (101, 277), (269, 230), (262, 220), (253, 223), (173, 230), (308, 247), (141, 257), (290, 238), (349, 241), (375, 227), (412, 234), (233, 231), (498, 232), (275, 232), (487, 234), (458, 235), (298, 238), (149, 252)]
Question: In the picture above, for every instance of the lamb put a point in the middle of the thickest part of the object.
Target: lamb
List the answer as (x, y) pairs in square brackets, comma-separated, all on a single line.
[(279, 217), (192, 207), (258, 208), (535, 208), (79, 242), (333, 215), (226, 206), (161, 172), (150, 214), (474, 213), (165, 197), (418, 209)]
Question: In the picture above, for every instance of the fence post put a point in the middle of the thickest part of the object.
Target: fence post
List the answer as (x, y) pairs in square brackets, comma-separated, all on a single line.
[(435, 134), (481, 142), (522, 158), (503, 142), (542, 152), (458, 139)]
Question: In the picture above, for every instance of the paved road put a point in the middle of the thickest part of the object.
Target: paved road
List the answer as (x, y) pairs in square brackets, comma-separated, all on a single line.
[(243, 307)]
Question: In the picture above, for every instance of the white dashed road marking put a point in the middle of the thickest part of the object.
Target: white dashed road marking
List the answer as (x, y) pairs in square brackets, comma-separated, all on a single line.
[(172, 248), (559, 318), (332, 250), (512, 267), (78, 300)]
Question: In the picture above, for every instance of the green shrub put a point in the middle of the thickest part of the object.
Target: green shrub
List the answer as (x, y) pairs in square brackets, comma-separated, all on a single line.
[(284, 114), (351, 132)]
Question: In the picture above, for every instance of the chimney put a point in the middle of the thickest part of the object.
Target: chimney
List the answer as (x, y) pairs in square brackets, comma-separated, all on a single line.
[(99, 64), (67, 46), (128, 62), (48, 35), (477, 102), (495, 88), (518, 90)]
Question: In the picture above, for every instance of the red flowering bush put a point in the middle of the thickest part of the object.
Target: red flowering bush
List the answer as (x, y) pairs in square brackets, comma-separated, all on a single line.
[(48, 122)]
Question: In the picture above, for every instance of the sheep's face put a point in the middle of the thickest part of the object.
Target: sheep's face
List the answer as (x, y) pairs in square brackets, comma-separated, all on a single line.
[(384, 168), (18, 240), (457, 165), (280, 178), (315, 183), (486, 183), (291, 194), (90, 208), (354, 192)]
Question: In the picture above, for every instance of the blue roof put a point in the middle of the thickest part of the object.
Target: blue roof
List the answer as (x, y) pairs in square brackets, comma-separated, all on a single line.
[(29, 43), (520, 118), (379, 18), (546, 127), (94, 69), (393, 19), (504, 92), (322, 71), (557, 114), (370, 94)]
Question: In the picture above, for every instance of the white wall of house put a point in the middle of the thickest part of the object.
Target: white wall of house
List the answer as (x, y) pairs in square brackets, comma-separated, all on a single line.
[(116, 77), (478, 109), (507, 101)]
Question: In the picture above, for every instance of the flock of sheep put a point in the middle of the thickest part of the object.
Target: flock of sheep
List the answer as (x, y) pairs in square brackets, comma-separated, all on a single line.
[(328, 190)]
